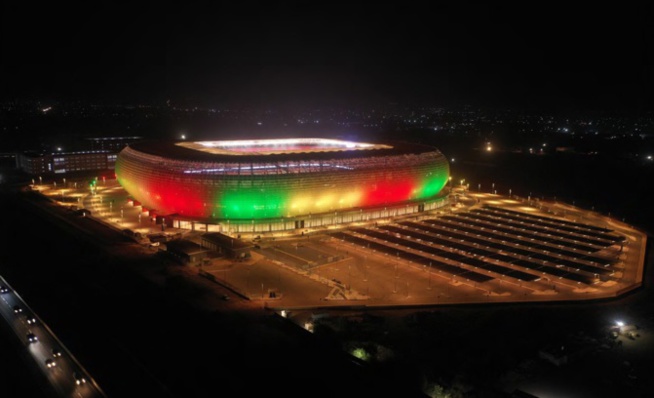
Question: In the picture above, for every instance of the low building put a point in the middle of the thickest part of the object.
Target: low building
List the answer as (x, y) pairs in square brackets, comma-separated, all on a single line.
[(563, 353), (554, 353), (226, 245), (36, 163), (186, 252)]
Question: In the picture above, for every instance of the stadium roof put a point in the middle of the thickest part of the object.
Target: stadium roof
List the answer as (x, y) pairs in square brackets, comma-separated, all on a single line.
[(183, 151)]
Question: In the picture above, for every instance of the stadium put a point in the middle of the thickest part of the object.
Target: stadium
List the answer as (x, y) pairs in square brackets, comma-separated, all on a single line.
[(282, 184)]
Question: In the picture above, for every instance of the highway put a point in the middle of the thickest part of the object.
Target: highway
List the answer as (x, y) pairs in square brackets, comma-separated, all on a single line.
[(65, 374)]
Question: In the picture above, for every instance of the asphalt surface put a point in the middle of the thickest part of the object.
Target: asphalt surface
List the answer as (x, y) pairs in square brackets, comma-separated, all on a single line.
[(65, 375)]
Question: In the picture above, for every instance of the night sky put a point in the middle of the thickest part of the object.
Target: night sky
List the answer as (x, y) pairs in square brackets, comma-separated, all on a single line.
[(537, 54)]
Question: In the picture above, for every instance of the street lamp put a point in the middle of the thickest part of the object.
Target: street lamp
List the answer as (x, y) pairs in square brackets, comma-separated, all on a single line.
[(429, 286), (349, 278)]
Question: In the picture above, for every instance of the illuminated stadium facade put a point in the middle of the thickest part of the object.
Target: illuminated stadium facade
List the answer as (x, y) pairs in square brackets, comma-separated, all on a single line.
[(282, 184)]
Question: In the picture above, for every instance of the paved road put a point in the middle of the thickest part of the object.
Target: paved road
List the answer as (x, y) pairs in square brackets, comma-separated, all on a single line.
[(66, 375)]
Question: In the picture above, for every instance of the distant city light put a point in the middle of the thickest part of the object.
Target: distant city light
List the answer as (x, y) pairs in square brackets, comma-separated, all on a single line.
[(649, 157), (59, 148)]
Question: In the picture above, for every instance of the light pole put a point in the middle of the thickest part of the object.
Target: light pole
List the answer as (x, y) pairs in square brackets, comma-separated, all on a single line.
[(349, 278), (429, 286), (247, 283)]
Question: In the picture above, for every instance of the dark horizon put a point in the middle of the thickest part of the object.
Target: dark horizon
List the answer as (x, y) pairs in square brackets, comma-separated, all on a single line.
[(557, 58)]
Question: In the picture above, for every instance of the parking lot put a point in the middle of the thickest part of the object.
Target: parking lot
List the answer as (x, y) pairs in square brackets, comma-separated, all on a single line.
[(487, 249)]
